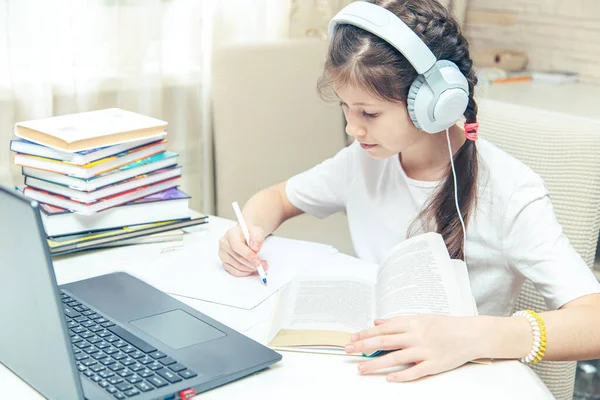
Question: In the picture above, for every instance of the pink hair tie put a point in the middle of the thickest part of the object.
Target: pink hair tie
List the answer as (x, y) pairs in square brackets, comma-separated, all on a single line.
[(471, 129)]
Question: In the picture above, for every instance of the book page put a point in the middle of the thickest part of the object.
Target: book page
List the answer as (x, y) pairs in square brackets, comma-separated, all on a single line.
[(417, 277), (91, 124), (338, 298)]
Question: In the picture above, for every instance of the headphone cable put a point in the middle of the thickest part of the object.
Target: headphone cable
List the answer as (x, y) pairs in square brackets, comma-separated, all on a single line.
[(462, 222)]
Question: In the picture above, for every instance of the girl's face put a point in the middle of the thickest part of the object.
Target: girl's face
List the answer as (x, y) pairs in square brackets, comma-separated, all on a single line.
[(383, 128)]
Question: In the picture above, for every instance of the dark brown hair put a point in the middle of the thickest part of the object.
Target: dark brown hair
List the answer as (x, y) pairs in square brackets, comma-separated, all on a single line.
[(360, 58)]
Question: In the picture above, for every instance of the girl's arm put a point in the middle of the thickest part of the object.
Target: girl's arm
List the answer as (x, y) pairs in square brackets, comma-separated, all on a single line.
[(572, 333), (269, 208)]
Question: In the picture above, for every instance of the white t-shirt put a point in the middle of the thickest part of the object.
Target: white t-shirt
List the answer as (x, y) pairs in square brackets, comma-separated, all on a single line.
[(513, 234)]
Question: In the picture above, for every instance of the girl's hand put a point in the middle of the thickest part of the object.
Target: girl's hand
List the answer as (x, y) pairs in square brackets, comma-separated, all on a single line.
[(238, 259), (434, 343)]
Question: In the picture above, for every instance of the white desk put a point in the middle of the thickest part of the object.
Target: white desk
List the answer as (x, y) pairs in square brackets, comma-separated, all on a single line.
[(301, 375)]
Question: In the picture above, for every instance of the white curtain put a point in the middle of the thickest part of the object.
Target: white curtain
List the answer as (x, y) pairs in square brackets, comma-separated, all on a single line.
[(66, 56), (148, 56)]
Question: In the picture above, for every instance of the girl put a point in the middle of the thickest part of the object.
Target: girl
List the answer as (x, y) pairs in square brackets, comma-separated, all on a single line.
[(396, 180)]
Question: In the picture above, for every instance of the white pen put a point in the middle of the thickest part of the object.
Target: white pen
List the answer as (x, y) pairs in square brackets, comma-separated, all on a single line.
[(240, 218)]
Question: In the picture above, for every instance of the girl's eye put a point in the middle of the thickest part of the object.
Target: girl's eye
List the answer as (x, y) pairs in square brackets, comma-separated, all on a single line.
[(367, 115)]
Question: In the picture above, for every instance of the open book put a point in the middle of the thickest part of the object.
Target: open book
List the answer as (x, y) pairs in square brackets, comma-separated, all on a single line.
[(318, 311)]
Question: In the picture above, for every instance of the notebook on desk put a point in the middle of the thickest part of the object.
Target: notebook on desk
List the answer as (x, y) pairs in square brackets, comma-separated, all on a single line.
[(108, 337)]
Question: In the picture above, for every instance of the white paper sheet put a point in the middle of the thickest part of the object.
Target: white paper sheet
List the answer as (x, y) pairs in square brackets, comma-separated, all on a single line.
[(192, 268)]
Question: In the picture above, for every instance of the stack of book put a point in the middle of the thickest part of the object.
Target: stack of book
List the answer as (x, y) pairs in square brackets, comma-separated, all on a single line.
[(102, 178)]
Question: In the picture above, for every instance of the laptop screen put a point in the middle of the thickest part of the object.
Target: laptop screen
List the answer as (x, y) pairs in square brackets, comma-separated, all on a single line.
[(34, 342)]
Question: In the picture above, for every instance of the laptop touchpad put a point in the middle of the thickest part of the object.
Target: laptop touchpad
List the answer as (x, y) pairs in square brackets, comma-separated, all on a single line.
[(177, 329)]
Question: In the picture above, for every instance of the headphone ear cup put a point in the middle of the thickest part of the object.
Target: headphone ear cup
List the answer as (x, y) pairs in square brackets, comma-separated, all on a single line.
[(411, 100), (451, 103)]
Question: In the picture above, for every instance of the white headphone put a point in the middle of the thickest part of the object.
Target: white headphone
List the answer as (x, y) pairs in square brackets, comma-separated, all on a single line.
[(439, 96)]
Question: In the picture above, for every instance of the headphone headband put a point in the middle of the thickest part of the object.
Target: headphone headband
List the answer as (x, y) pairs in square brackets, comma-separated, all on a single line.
[(384, 24)]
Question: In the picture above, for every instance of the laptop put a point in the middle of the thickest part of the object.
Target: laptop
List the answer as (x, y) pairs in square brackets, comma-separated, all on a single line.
[(108, 337)]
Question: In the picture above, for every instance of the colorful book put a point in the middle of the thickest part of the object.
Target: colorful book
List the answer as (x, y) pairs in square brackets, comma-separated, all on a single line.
[(92, 169), (144, 166), (100, 205), (89, 130), (106, 191), (69, 244), (81, 157), (167, 205)]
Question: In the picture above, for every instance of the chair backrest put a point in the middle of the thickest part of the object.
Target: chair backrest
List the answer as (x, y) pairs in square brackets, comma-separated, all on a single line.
[(565, 151), (270, 124)]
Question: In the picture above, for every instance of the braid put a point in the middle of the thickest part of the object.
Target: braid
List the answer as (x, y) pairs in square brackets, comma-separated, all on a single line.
[(434, 25)]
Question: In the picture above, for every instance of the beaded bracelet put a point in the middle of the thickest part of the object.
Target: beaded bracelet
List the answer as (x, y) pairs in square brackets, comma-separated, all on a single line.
[(538, 329)]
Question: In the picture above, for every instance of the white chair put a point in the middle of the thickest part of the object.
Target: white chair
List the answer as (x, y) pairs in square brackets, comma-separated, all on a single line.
[(270, 124), (565, 152)]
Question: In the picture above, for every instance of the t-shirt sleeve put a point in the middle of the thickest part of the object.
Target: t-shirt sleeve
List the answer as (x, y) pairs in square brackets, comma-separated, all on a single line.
[(323, 189), (536, 247)]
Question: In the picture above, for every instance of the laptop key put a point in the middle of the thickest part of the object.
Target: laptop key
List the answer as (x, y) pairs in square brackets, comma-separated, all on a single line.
[(187, 374), (134, 379), (86, 334), (106, 374), (115, 380), (94, 339), (102, 345), (157, 381), (88, 373), (104, 384), (82, 345), (96, 328), (72, 324), (169, 375), (119, 356), (145, 360), (104, 333), (120, 343), (99, 356), (107, 324), (128, 349), (119, 396), (111, 350), (88, 313), (132, 392), (69, 312), (144, 387), (88, 323), (146, 373), (134, 340), (91, 350), (155, 366), (81, 357), (136, 367), (124, 373), (127, 361), (78, 329), (157, 354), (107, 361), (111, 389), (89, 362), (167, 361), (178, 367), (115, 367), (123, 386), (97, 368), (81, 318), (137, 354)]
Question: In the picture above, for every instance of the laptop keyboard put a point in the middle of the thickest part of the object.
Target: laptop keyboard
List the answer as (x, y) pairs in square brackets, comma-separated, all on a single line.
[(117, 361)]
